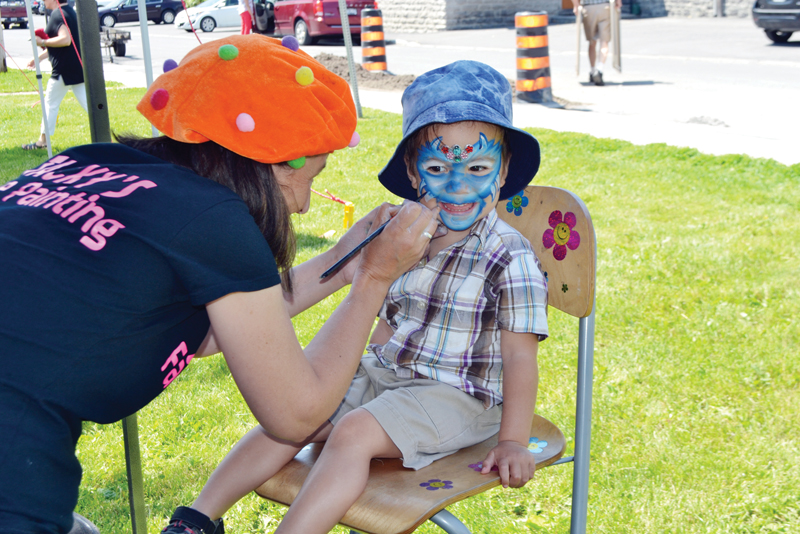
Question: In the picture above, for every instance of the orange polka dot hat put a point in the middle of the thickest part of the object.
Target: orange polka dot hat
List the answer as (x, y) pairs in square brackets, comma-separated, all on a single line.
[(259, 97)]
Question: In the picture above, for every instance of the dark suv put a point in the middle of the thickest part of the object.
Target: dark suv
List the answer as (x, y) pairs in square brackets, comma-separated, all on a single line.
[(128, 11), (311, 19), (779, 18)]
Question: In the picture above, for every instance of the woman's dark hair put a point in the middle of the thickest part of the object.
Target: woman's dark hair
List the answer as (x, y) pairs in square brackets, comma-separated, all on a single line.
[(251, 180)]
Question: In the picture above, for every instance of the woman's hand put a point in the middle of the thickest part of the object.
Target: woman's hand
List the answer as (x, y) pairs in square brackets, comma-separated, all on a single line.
[(356, 235), (401, 245)]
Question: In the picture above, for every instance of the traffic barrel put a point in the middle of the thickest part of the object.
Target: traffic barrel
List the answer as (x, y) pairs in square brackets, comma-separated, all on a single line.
[(533, 58), (373, 46)]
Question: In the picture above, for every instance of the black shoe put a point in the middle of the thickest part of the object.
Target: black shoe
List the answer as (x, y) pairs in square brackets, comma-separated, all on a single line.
[(598, 78), (187, 520)]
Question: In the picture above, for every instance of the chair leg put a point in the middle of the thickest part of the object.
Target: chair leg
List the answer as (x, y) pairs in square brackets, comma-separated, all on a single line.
[(583, 426), (449, 523), (133, 461)]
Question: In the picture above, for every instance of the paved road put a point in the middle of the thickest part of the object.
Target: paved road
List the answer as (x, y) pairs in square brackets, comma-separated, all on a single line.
[(717, 85)]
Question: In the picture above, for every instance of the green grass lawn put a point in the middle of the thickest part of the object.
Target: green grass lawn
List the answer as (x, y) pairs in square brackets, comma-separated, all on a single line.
[(696, 394)]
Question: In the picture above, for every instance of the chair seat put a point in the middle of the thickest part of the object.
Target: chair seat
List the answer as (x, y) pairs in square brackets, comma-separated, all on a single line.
[(397, 500)]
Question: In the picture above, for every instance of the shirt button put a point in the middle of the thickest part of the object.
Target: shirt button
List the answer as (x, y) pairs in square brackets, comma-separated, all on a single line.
[(421, 305)]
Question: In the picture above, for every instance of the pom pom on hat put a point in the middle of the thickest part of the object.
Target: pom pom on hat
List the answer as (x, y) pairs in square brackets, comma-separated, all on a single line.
[(228, 52), (169, 65), (159, 99), (304, 76), (291, 42), (245, 123), (290, 106), (354, 140)]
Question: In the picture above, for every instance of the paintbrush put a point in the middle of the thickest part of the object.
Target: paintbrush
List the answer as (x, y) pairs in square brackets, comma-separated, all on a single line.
[(336, 266)]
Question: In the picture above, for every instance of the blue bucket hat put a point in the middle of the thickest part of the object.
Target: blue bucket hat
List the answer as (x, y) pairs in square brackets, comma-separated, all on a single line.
[(462, 91)]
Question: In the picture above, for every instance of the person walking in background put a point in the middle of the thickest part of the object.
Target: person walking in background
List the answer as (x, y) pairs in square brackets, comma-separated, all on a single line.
[(597, 27), (62, 47), (245, 11)]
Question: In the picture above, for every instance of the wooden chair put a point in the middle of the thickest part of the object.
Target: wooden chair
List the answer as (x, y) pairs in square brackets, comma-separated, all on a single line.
[(397, 500)]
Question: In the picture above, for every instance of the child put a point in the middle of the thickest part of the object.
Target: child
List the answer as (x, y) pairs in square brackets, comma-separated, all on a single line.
[(433, 380)]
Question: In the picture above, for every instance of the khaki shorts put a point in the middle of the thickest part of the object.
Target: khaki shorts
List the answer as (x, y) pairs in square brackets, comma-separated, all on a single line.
[(426, 419), (597, 22)]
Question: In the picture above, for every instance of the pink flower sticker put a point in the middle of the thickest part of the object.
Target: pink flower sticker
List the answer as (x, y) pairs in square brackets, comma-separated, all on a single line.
[(561, 235)]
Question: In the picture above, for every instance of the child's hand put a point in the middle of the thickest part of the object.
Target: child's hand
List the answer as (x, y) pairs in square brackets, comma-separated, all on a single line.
[(514, 462)]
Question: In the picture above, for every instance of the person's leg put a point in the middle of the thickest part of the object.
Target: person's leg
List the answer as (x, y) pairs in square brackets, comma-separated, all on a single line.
[(251, 462), (340, 474), (39, 473), (79, 90), (604, 36), (592, 53), (56, 91)]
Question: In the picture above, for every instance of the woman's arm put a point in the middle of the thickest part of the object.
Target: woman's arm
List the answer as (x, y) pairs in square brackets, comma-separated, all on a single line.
[(291, 391), (520, 383)]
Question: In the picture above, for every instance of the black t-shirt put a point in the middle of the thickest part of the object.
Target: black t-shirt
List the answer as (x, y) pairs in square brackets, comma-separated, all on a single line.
[(64, 59), (107, 259)]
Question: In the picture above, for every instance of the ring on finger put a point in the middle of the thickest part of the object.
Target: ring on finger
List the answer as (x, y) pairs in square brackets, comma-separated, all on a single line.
[(427, 234)]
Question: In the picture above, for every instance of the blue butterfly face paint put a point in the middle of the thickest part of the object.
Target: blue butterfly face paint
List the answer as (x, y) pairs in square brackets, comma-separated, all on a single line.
[(463, 180)]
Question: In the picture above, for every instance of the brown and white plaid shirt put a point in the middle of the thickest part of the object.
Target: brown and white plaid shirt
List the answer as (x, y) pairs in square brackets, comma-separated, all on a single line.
[(447, 314)]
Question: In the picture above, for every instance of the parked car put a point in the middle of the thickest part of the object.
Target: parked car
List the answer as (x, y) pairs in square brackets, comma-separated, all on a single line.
[(310, 19), (13, 12), (778, 18), (224, 13), (209, 15), (128, 11)]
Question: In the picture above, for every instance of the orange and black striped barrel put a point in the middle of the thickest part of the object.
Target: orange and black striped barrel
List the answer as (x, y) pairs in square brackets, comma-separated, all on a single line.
[(533, 58), (373, 46)]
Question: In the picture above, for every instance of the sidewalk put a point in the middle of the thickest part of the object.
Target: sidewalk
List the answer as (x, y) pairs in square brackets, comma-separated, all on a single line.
[(716, 85)]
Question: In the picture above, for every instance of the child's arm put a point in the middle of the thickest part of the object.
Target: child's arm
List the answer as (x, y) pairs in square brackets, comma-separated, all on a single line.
[(514, 461), (382, 333)]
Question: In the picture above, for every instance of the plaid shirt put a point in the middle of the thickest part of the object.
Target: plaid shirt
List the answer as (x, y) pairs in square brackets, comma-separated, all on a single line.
[(447, 314)]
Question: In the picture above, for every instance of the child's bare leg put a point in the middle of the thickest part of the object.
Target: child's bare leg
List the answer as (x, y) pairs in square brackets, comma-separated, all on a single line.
[(340, 474), (251, 462)]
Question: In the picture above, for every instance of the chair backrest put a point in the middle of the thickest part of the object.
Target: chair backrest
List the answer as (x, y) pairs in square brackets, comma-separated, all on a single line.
[(559, 227)]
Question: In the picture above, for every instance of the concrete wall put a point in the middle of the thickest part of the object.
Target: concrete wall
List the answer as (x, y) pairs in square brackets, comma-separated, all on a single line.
[(694, 8), (436, 15)]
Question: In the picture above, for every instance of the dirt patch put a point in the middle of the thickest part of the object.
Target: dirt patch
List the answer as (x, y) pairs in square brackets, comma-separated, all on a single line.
[(391, 82), (366, 79)]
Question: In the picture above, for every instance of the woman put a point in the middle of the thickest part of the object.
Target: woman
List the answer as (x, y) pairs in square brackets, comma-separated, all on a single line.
[(121, 262)]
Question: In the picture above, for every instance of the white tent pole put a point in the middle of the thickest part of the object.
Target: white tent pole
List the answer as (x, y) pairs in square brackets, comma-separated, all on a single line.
[(39, 77), (148, 64), (348, 43)]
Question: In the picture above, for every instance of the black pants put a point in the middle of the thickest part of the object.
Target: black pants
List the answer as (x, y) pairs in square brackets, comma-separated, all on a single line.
[(39, 473)]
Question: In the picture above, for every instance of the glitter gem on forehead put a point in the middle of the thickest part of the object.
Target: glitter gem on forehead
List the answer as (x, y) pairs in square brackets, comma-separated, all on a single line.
[(456, 153)]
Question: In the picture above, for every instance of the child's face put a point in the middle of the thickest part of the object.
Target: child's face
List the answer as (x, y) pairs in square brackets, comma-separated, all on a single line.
[(461, 169)]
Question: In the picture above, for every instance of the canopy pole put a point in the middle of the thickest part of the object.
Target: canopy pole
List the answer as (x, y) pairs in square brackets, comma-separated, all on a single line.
[(348, 43), (148, 63), (39, 78), (89, 31)]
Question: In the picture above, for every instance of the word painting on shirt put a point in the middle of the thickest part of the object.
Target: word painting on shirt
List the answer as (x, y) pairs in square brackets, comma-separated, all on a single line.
[(65, 199)]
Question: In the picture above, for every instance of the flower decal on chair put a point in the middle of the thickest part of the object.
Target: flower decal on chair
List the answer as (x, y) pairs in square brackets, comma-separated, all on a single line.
[(479, 467), (561, 235), (516, 203), (435, 484), (536, 445)]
